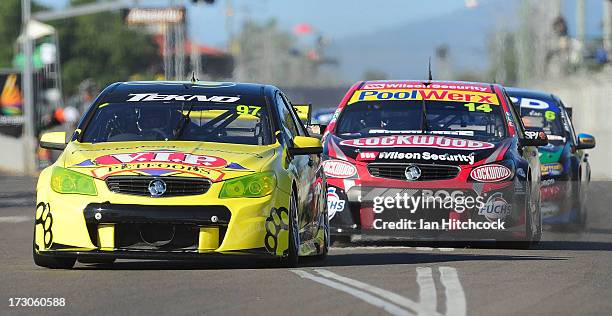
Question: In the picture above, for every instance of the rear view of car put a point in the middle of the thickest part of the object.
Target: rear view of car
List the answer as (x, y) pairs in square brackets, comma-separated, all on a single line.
[(565, 168), (431, 160)]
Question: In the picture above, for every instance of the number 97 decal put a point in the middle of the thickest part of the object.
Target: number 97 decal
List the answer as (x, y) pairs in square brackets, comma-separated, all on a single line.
[(248, 110)]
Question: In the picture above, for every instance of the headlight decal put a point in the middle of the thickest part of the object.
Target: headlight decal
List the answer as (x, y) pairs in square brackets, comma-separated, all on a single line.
[(254, 185), (66, 181)]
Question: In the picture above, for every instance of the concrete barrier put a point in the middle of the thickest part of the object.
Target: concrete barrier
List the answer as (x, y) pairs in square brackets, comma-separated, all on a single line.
[(591, 100), (11, 154)]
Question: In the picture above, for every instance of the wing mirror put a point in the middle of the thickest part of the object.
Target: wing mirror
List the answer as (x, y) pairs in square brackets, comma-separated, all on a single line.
[(53, 140), (303, 145), (585, 141), (534, 137)]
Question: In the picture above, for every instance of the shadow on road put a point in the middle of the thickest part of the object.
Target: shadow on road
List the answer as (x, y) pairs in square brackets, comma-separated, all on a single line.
[(349, 259)]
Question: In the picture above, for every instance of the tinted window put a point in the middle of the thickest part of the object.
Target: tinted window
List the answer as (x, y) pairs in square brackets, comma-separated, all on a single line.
[(243, 122)]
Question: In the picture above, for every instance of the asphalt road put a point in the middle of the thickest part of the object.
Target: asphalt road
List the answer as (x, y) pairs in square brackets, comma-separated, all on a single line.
[(567, 274)]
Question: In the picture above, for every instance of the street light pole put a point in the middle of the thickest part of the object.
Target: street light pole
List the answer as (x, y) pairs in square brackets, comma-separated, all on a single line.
[(29, 142)]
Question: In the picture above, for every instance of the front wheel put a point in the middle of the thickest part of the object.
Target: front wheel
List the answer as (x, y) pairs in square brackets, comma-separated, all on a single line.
[(291, 259)]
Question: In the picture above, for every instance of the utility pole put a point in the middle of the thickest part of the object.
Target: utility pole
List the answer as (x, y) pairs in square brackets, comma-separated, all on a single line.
[(29, 134), (607, 26), (580, 20)]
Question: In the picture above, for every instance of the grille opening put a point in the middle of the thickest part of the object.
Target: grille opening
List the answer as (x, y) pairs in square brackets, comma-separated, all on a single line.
[(175, 186), (429, 172), (163, 237)]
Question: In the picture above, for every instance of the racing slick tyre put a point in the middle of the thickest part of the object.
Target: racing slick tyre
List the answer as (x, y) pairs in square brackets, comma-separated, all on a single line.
[(531, 237), (326, 240), (579, 205), (293, 248), (53, 262)]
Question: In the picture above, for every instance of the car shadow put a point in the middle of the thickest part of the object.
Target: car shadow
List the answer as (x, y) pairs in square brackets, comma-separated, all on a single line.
[(393, 257)]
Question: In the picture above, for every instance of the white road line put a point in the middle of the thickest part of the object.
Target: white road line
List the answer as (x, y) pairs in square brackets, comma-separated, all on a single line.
[(388, 295), (364, 296), (427, 289), (15, 219), (446, 249), (455, 297)]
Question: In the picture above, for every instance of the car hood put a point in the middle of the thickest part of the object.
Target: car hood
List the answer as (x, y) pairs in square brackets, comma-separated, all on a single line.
[(214, 161), (432, 149)]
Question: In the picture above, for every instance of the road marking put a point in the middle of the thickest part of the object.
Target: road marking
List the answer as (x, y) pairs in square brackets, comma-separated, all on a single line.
[(388, 295), (394, 303), (364, 296), (427, 289), (15, 219), (456, 304)]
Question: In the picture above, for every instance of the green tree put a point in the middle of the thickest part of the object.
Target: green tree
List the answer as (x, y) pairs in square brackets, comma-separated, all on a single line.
[(10, 28)]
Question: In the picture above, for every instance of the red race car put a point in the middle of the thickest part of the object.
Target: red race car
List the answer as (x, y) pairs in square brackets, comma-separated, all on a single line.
[(431, 160)]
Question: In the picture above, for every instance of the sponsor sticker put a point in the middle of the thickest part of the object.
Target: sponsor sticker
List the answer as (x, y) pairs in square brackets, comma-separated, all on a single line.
[(367, 156), (334, 203), (551, 169), (528, 103), (394, 155), (339, 169), (490, 173), (420, 141), (162, 157), (144, 97), (420, 94), (414, 85), (495, 208)]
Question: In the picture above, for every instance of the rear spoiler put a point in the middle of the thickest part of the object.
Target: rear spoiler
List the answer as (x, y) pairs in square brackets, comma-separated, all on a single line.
[(304, 112), (569, 112)]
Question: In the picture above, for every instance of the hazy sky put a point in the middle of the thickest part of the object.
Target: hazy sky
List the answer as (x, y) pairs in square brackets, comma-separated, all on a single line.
[(335, 18)]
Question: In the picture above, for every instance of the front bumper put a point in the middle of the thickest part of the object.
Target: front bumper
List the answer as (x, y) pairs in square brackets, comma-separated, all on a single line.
[(126, 226), (358, 217)]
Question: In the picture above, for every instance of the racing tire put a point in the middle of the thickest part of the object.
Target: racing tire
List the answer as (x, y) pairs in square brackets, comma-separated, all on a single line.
[(530, 235), (291, 260), (326, 238)]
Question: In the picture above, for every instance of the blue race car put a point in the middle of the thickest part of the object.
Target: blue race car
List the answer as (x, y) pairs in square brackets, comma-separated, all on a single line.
[(565, 168)]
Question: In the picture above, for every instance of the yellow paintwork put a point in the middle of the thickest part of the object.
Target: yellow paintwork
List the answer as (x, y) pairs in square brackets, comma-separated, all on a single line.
[(106, 236), (246, 229)]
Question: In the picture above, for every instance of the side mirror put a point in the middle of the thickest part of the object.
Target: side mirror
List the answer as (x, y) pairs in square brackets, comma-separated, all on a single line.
[(585, 141), (304, 112), (534, 137), (303, 145), (53, 140), (316, 130)]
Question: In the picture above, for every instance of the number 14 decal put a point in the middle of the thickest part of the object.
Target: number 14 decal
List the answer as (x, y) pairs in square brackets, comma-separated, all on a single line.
[(474, 107)]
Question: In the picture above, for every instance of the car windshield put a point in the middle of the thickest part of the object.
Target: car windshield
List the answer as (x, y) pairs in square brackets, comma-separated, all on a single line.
[(472, 120), (243, 123), (548, 120)]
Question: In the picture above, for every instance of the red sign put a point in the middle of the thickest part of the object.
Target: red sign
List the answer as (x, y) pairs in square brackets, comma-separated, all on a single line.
[(423, 141), (162, 156), (490, 173)]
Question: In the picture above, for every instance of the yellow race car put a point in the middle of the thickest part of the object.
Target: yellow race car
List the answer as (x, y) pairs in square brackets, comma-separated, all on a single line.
[(182, 170)]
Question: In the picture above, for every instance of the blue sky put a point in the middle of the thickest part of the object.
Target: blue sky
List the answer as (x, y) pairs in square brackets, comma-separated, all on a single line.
[(334, 18)]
